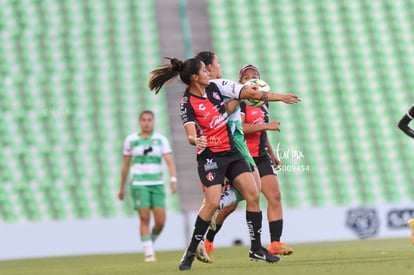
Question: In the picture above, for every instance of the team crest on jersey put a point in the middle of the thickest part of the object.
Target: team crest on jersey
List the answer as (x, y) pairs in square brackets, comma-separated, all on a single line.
[(210, 165), (216, 95), (210, 176), (184, 99)]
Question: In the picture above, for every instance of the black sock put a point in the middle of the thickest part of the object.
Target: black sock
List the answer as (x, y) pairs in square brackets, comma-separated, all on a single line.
[(200, 228), (275, 228), (211, 234), (254, 223)]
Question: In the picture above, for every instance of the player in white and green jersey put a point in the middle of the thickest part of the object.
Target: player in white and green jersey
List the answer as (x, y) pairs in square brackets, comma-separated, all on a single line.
[(143, 154)]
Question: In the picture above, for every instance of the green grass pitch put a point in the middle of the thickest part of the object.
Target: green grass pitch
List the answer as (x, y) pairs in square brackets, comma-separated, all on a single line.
[(390, 256)]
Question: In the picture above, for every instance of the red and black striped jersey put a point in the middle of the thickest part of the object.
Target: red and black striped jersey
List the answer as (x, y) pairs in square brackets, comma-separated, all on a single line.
[(210, 117), (256, 142)]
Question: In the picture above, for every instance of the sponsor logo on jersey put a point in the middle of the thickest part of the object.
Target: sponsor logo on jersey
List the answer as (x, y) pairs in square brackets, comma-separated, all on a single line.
[(201, 107), (233, 88), (217, 121), (210, 165), (258, 121)]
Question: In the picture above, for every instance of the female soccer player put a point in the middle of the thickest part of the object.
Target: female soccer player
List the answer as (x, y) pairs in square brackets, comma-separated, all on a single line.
[(255, 124), (146, 151), (205, 122), (214, 67), (405, 121)]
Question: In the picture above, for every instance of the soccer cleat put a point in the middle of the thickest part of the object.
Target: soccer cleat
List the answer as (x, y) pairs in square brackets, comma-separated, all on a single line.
[(228, 197), (263, 255), (150, 258), (187, 260), (201, 254), (278, 248), (209, 246)]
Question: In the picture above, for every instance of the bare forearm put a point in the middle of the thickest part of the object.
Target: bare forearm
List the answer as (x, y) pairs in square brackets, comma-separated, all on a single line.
[(231, 106), (253, 128), (124, 175)]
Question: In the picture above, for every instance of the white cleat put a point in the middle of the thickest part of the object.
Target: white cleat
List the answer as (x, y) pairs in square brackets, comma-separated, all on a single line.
[(201, 254)]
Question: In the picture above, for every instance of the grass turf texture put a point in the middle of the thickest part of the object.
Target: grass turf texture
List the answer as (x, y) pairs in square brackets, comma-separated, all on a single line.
[(391, 256)]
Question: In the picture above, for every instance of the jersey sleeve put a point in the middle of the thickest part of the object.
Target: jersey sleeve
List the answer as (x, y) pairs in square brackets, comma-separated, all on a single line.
[(187, 113), (126, 151), (166, 148), (228, 88), (242, 107)]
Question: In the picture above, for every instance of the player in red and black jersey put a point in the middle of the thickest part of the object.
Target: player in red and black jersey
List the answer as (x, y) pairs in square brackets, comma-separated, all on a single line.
[(205, 116), (255, 124), (405, 121)]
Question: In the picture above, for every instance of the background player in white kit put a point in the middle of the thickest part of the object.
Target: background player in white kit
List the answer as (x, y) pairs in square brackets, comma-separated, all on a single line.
[(143, 153)]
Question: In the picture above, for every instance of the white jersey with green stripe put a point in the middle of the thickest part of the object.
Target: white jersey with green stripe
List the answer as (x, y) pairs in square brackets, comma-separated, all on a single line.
[(146, 158), (231, 90)]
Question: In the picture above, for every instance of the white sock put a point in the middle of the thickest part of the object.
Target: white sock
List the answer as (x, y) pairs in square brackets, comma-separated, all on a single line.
[(148, 248)]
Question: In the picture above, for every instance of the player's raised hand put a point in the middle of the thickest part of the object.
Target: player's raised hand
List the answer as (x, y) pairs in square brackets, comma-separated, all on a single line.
[(273, 125), (291, 98)]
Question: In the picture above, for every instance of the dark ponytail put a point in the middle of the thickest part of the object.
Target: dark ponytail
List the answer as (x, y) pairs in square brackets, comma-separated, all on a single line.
[(167, 72), (207, 57)]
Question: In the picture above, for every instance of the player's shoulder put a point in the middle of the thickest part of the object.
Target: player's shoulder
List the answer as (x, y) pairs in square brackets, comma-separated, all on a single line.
[(132, 136), (157, 135)]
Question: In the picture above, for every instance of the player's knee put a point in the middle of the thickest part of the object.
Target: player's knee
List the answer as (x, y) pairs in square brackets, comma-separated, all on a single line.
[(144, 219), (277, 197), (253, 197)]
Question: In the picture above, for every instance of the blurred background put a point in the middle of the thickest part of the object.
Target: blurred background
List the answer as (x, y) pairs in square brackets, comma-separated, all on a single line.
[(73, 79)]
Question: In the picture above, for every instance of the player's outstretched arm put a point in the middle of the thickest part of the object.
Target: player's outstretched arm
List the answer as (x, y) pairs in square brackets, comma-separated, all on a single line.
[(405, 121), (252, 92)]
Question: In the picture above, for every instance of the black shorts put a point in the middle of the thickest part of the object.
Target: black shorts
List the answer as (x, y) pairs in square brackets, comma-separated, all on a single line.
[(214, 167), (264, 165)]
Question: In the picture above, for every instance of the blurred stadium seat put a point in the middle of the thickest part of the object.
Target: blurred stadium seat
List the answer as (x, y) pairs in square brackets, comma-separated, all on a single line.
[(73, 82), (349, 62)]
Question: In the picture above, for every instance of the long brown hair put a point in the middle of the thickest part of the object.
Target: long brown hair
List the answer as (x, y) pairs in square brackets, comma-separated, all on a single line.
[(167, 72)]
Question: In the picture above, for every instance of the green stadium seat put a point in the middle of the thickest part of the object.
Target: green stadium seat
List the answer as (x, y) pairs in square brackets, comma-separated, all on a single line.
[(345, 60)]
